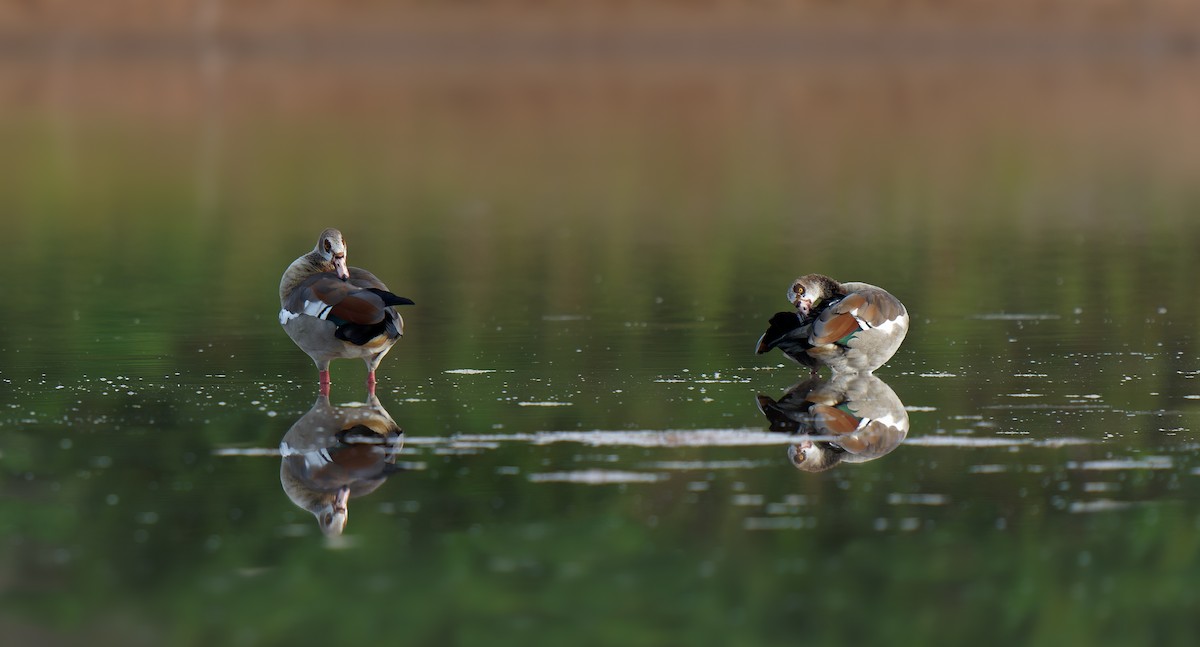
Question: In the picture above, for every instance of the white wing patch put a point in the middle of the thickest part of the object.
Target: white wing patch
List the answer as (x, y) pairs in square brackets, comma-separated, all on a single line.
[(885, 327), (318, 309), (891, 324), (313, 459), (891, 420), (317, 459)]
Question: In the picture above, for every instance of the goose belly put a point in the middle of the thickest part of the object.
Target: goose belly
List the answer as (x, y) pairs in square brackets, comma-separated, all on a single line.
[(316, 337)]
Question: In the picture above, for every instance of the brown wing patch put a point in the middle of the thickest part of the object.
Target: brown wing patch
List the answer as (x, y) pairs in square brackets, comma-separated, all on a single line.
[(349, 303), (833, 421), (872, 314), (358, 456), (360, 308), (363, 279), (848, 304), (875, 307), (330, 291), (831, 326), (324, 288)]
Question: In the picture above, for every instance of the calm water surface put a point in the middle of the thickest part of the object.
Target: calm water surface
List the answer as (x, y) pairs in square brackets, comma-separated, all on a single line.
[(594, 250)]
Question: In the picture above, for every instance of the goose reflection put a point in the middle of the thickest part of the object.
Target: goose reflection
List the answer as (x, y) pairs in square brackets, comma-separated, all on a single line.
[(333, 453), (843, 419)]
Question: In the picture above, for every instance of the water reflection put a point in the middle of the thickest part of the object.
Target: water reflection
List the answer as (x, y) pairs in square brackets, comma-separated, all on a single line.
[(842, 419), (333, 453)]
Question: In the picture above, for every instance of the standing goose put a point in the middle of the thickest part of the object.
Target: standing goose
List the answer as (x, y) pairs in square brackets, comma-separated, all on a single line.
[(331, 310), (849, 327)]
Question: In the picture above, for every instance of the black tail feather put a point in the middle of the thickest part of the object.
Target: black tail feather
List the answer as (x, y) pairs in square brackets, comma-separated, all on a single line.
[(780, 326), (392, 299)]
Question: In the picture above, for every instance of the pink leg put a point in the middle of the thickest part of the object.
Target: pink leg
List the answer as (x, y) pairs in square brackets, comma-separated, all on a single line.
[(324, 382), (371, 382)]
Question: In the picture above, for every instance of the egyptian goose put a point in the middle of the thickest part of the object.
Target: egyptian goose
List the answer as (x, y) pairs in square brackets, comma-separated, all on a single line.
[(849, 327), (851, 418), (331, 310), (333, 453)]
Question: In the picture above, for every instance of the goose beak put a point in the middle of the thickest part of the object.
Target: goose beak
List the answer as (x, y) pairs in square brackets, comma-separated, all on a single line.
[(341, 503), (339, 265), (333, 520)]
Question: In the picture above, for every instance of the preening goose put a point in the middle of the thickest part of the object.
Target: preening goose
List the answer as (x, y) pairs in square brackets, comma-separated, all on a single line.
[(849, 327)]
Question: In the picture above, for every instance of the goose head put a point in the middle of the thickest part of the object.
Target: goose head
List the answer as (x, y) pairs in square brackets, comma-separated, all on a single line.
[(808, 291), (331, 248)]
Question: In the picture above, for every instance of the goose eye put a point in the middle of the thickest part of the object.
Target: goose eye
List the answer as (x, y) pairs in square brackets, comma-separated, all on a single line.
[(328, 245), (798, 289)]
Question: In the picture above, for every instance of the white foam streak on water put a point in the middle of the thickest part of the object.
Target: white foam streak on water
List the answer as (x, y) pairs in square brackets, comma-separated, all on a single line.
[(1002, 316), (987, 469), (426, 440), (1040, 406), (476, 445), (596, 477), (1100, 486), (1147, 463), (469, 371), (1099, 505), (670, 438), (779, 523), (917, 499), (707, 465), (987, 441), (246, 451)]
